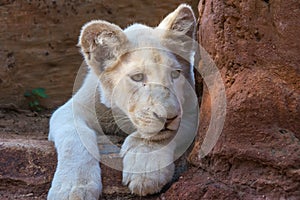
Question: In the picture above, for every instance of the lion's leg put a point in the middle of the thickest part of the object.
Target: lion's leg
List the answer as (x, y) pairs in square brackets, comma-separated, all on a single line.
[(77, 174), (147, 167)]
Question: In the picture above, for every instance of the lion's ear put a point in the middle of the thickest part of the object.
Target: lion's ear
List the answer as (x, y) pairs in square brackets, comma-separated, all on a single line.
[(182, 20), (101, 43)]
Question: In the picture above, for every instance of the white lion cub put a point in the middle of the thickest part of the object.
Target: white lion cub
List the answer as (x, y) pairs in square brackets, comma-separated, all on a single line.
[(141, 72)]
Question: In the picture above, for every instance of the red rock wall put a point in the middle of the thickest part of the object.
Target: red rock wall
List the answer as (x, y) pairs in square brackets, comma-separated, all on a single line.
[(256, 47), (38, 41)]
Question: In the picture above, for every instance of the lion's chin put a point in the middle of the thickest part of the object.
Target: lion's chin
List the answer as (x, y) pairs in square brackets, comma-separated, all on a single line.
[(162, 135)]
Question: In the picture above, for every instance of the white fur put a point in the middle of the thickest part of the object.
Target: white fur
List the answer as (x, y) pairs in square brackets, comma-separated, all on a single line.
[(148, 165)]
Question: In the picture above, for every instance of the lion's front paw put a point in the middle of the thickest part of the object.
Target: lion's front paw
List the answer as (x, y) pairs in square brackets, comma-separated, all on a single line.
[(140, 179), (76, 183), (146, 183), (147, 167), (67, 191), (143, 185)]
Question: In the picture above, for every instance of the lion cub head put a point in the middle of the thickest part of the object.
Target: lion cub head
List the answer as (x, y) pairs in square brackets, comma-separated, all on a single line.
[(142, 70)]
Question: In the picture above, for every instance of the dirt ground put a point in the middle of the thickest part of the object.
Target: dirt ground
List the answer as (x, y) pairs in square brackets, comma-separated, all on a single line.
[(23, 124)]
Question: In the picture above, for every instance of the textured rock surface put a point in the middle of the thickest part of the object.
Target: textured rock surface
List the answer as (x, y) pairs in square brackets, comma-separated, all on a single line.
[(256, 46), (38, 41), (27, 168)]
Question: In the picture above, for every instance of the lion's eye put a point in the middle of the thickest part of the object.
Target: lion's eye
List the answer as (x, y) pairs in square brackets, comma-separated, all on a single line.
[(175, 74), (138, 77)]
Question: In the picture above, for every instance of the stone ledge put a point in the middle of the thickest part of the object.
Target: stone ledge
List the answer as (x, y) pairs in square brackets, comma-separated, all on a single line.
[(27, 168)]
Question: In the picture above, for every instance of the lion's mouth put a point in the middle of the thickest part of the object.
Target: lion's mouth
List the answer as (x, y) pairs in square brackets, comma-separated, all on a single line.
[(166, 133), (172, 124), (167, 129)]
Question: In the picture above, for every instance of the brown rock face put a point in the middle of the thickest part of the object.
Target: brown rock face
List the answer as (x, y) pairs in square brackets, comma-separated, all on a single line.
[(256, 46)]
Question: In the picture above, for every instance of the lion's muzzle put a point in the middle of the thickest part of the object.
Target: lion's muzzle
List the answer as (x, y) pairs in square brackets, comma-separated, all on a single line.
[(158, 110)]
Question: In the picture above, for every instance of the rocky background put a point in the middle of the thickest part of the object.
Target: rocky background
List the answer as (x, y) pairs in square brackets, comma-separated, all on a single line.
[(256, 46)]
